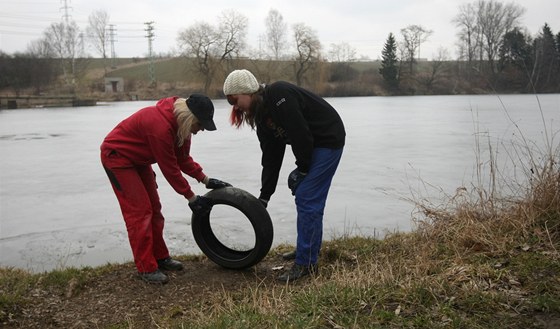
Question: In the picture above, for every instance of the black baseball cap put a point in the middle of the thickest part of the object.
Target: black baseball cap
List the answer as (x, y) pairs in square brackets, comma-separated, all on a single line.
[(203, 109)]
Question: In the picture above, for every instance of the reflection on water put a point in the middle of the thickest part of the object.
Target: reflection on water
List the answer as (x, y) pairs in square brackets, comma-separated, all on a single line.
[(57, 208)]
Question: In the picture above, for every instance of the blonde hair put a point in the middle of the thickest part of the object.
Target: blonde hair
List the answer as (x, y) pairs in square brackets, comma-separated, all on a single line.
[(185, 120)]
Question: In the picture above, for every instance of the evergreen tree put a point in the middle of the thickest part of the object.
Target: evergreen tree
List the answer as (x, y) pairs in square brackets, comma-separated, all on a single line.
[(389, 69), (515, 62), (516, 49), (547, 66)]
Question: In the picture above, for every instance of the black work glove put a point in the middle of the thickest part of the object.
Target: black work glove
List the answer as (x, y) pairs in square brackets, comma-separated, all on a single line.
[(294, 179), (201, 205), (214, 183)]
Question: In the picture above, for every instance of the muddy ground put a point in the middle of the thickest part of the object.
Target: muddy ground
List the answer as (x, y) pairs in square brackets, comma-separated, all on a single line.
[(121, 297)]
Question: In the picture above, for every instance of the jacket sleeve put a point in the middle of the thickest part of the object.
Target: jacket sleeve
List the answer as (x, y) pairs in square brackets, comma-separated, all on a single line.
[(164, 152), (272, 156), (288, 111), (187, 163)]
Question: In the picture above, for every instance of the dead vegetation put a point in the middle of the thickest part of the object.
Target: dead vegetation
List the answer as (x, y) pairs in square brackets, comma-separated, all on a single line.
[(479, 259)]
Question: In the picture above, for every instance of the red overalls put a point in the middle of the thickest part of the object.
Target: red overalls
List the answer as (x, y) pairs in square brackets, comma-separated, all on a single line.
[(146, 137)]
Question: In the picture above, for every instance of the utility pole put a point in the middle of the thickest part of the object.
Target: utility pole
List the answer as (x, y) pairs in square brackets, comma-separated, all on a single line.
[(66, 20), (112, 41), (66, 16), (150, 35)]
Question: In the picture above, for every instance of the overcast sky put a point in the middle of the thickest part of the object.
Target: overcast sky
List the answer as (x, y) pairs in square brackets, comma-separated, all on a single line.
[(363, 24)]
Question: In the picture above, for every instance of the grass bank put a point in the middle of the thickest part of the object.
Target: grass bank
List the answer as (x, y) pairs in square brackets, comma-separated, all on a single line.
[(487, 264), (480, 259)]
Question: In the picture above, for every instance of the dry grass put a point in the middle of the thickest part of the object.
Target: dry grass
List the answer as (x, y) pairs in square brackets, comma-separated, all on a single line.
[(482, 258)]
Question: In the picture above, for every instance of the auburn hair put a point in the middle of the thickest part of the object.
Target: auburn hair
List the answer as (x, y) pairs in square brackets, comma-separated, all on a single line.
[(238, 117)]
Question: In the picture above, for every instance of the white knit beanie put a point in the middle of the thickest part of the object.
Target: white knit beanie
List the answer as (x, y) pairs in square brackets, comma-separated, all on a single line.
[(240, 82)]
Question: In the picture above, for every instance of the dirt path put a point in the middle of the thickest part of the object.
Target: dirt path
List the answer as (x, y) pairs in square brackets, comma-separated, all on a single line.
[(121, 297)]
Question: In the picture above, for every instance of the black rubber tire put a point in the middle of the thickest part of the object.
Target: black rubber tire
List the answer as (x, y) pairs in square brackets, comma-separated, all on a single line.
[(257, 214)]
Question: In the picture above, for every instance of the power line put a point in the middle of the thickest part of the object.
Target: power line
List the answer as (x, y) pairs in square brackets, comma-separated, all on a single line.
[(27, 17), (24, 24), (19, 33)]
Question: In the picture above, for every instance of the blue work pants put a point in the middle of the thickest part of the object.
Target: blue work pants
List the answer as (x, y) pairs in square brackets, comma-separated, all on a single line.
[(310, 198)]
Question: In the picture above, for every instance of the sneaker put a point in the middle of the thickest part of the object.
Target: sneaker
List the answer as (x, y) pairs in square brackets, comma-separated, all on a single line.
[(290, 255), (156, 276), (169, 264), (298, 271)]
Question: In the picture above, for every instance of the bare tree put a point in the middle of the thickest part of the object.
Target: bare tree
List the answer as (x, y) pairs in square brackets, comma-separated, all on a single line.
[(470, 40), (342, 55), (308, 49), (342, 52), (414, 36), (468, 33), (200, 42), (494, 20), (402, 55), (97, 31), (437, 70), (40, 48), (42, 67), (55, 37), (66, 42), (276, 30), (233, 31), (74, 47), (209, 46)]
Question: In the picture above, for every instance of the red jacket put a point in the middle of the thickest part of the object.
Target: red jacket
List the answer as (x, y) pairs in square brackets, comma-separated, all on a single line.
[(150, 136)]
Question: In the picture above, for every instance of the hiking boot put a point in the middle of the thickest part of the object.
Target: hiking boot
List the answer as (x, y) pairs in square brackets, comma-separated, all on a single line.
[(298, 271), (290, 255), (169, 264), (156, 276)]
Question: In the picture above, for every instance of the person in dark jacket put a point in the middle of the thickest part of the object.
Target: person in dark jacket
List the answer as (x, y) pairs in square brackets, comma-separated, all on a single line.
[(282, 114), (156, 134)]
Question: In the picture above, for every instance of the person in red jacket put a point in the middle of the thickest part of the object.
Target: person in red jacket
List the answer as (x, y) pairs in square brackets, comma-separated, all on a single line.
[(156, 134)]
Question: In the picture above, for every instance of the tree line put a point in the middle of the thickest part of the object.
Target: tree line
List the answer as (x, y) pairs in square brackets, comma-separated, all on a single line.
[(495, 53)]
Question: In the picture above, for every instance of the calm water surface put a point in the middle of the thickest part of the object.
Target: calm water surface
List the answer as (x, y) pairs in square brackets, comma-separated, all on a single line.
[(57, 208)]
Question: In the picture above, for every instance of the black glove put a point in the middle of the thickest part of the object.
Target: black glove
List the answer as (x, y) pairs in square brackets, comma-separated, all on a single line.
[(214, 183), (294, 179), (201, 205), (264, 202)]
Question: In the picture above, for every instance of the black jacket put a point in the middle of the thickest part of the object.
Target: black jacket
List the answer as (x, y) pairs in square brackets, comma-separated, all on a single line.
[(298, 117)]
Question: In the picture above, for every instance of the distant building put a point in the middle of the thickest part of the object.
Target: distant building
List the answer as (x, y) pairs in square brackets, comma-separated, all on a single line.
[(114, 85)]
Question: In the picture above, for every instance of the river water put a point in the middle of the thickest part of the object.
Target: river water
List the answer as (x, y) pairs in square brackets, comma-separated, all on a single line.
[(57, 208)]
